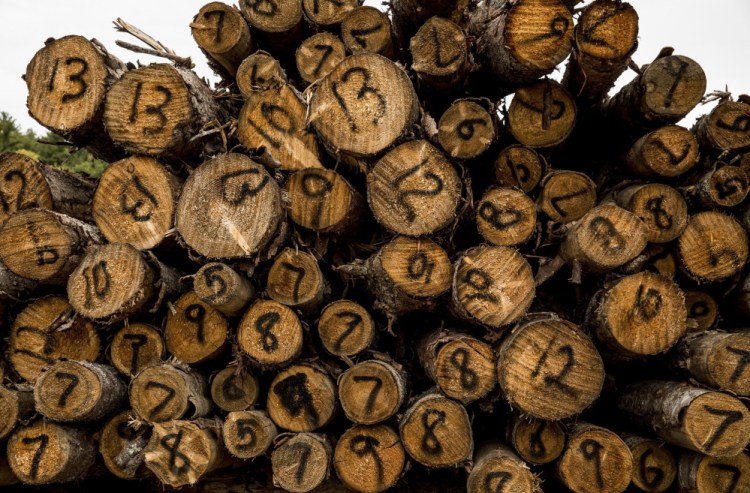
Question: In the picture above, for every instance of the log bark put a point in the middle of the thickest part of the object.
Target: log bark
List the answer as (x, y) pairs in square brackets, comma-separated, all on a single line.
[(45, 246), (116, 281), (369, 458), (68, 81), (28, 184), (78, 391), (345, 328), (270, 333), (496, 466), (708, 422), (166, 392), (121, 445), (410, 15), (640, 315), (46, 452), (462, 366), (46, 331), (234, 389), (160, 110), (716, 256), (301, 398), (223, 35), (194, 331), (135, 202), (436, 432), (372, 391), (16, 405), (549, 369), (492, 286), (134, 347), (363, 106), (301, 461), (595, 459), (230, 208)]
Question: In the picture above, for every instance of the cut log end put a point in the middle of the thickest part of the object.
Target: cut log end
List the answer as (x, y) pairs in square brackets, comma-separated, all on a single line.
[(520, 166), (248, 434), (369, 458), (328, 14), (223, 34), (136, 346), (223, 288), (655, 467), (234, 390), (318, 55), (567, 196), (713, 247), (664, 153), (345, 328), (195, 331), (496, 466), (542, 114), (367, 29), (122, 444), (440, 54), (301, 462), (270, 333), (662, 209), (536, 441), (295, 280), (466, 130), (301, 398), (164, 392), (259, 72), (371, 392)]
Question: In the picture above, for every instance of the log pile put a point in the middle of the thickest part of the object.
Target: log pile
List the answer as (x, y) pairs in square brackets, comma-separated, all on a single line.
[(386, 251)]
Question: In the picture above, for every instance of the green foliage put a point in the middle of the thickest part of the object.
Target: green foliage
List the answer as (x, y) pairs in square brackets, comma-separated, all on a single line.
[(13, 140)]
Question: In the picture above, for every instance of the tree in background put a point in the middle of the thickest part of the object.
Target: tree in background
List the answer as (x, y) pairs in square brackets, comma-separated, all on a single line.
[(49, 149)]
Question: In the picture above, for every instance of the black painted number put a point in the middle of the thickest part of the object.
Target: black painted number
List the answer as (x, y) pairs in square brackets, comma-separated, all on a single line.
[(73, 382), (43, 441), (373, 396), (403, 195)]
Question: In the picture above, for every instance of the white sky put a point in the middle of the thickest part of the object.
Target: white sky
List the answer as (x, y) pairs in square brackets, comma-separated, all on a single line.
[(715, 34)]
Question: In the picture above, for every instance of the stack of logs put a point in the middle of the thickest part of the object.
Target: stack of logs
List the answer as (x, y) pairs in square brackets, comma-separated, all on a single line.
[(359, 263)]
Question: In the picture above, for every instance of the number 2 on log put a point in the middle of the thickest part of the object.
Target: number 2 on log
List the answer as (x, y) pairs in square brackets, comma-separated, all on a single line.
[(411, 214)]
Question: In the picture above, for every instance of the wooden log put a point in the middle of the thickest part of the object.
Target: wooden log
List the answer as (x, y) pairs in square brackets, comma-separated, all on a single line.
[(28, 184), (462, 366), (234, 389), (605, 37), (436, 432), (230, 207), (68, 80), (345, 328), (520, 42), (318, 55), (301, 398), (223, 288), (168, 392), (248, 434), (46, 452), (195, 331), (295, 280), (654, 466), (666, 152), (369, 459), (595, 459), (713, 247), (497, 468), (159, 109), (270, 333), (661, 208), (121, 444), (640, 315), (726, 128), (134, 347), (259, 72), (535, 441), (324, 201), (414, 190), (301, 461), (278, 24), (135, 202), (180, 453), (272, 125), (492, 286), (704, 474), (45, 246), (223, 35), (566, 196), (722, 187), (708, 422), (664, 92), (660, 260), (605, 238), (327, 13), (703, 310), (520, 166), (46, 331), (367, 29), (372, 391), (549, 369), (78, 391), (363, 106), (16, 405), (466, 130), (542, 114), (410, 15), (440, 54), (406, 275), (717, 359), (14, 288), (506, 217), (116, 281)]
